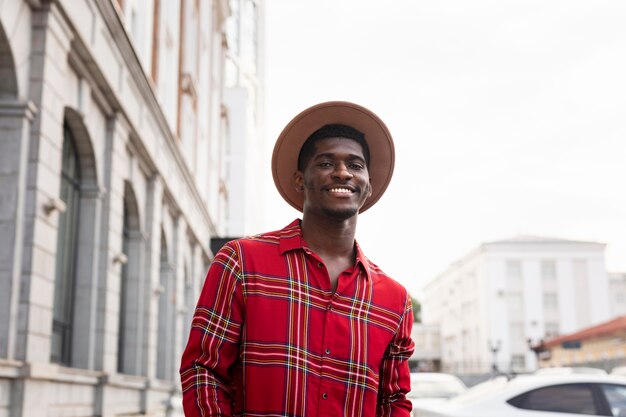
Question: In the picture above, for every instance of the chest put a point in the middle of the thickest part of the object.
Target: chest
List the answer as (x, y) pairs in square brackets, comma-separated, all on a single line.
[(334, 267), (300, 321)]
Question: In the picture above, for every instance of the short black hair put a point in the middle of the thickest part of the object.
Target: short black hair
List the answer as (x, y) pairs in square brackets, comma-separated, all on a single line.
[(331, 131)]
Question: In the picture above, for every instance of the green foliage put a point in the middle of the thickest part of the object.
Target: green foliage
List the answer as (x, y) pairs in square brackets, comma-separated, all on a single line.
[(417, 310)]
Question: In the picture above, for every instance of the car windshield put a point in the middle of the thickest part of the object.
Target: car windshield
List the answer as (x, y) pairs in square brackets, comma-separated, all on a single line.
[(480, 390), (435, 389)]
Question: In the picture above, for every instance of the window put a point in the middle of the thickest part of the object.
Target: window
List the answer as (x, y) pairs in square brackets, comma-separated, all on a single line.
[(122, 336), (551, 329), (518, 362), (567, 398), (548, 270), (131, 326), (550, 301), (514, 276), (165, 335), (515, 306), (616, 397), (64, 283)]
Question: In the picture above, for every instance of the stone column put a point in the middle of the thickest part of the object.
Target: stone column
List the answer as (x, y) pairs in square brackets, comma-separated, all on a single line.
[(51, 38), (15, 118), (110, 267)]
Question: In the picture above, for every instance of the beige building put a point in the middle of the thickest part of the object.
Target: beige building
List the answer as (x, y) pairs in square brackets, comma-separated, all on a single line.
[(114, 137), (602, 346)]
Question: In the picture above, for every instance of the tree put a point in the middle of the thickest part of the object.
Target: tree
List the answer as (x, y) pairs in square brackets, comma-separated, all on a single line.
[(417, 310)]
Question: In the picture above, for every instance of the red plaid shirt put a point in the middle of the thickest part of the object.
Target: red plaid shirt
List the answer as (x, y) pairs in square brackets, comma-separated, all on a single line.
[(269, 337)]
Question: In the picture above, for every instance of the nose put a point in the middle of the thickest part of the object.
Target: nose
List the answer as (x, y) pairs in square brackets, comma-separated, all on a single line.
[(342, 172)]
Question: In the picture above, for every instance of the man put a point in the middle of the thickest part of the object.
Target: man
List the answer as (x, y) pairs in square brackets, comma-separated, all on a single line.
[(298, 322)]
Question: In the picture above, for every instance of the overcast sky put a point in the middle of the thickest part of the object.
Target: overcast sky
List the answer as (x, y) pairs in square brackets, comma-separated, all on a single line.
[(509, 117)]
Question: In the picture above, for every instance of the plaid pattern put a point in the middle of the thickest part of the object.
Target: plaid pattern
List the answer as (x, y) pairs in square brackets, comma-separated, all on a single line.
[(269, 338)]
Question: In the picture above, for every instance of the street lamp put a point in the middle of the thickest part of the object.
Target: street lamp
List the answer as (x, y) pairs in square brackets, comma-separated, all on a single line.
[(494, 348), (538, 348)]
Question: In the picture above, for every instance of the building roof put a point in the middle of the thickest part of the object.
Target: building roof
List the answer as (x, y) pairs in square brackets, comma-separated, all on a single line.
[(530, 239), (607, 328)]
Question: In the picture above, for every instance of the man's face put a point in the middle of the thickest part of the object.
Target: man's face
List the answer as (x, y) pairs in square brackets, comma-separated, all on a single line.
[(335, 181)]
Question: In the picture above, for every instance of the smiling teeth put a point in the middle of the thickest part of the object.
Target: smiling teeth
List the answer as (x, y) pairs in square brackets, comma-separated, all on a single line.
[(340, 190)]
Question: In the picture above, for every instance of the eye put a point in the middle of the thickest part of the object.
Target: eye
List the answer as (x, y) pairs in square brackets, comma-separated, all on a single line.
[(325, 164), (356, 165)]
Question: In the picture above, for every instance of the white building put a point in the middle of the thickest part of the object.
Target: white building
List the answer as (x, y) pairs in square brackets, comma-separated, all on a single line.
[(427, 354), (493, 301), (113, 142), (617, 293), (245, 161)]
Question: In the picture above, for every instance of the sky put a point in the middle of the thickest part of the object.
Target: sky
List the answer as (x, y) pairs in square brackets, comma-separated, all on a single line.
[(509, 118)]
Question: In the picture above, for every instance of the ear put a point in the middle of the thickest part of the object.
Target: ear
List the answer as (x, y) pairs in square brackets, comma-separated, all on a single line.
[(298, 181), (369, 188)]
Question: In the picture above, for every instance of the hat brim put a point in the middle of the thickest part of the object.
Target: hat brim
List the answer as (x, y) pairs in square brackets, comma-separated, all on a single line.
[(293, 136)]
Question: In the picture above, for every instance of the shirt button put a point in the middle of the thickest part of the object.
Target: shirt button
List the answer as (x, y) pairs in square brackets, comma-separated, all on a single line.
[(324, 396), (327, 351)]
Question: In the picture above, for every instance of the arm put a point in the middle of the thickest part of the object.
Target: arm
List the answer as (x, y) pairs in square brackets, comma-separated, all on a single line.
[(395, 379), (213, 345)]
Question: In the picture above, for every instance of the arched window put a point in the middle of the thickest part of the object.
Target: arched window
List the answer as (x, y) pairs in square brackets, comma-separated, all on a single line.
[(165, 334), (64, 285), (122, 336), (130, 324)]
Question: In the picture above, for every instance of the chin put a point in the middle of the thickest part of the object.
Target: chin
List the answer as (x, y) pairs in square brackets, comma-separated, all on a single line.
[(341, 213)]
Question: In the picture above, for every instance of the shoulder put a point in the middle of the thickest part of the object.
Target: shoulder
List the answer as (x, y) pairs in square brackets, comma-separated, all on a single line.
[(388, 287), (261, 244), (378, 275), (268, 240)]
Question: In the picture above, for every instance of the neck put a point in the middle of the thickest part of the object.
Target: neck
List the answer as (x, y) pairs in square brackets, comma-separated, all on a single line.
[(329, 236)]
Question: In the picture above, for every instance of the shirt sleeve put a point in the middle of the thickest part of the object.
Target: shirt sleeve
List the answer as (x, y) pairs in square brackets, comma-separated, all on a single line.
[(395, 378), (213, 345)]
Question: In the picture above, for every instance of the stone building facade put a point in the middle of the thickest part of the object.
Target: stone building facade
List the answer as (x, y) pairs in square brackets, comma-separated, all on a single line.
[(113, 133)]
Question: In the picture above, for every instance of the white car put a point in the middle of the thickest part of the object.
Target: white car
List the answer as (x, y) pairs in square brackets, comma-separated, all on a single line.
[(536, 396), (619, 370), (568, 370), (433, 387)]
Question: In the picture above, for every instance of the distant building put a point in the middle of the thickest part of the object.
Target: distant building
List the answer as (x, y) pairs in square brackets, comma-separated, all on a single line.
[(601, 346), (504, 295), (427, 354), (114, 142), (245, 160)]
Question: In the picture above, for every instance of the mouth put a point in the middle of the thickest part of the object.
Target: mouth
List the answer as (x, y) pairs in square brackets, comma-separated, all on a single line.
[(341, 190)]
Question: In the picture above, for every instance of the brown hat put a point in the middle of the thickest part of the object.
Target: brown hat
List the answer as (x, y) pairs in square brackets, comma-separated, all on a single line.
[(293, 136)]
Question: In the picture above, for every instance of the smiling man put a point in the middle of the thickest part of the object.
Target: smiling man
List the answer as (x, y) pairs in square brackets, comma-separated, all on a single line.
[(298, 322)]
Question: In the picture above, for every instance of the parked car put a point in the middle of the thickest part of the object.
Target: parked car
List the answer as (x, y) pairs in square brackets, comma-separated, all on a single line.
[(433, 387), (566, 370), (536, 396), (618, 370)]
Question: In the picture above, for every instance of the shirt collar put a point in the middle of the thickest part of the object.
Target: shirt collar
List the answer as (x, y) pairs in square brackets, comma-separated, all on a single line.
[(291, 239)]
